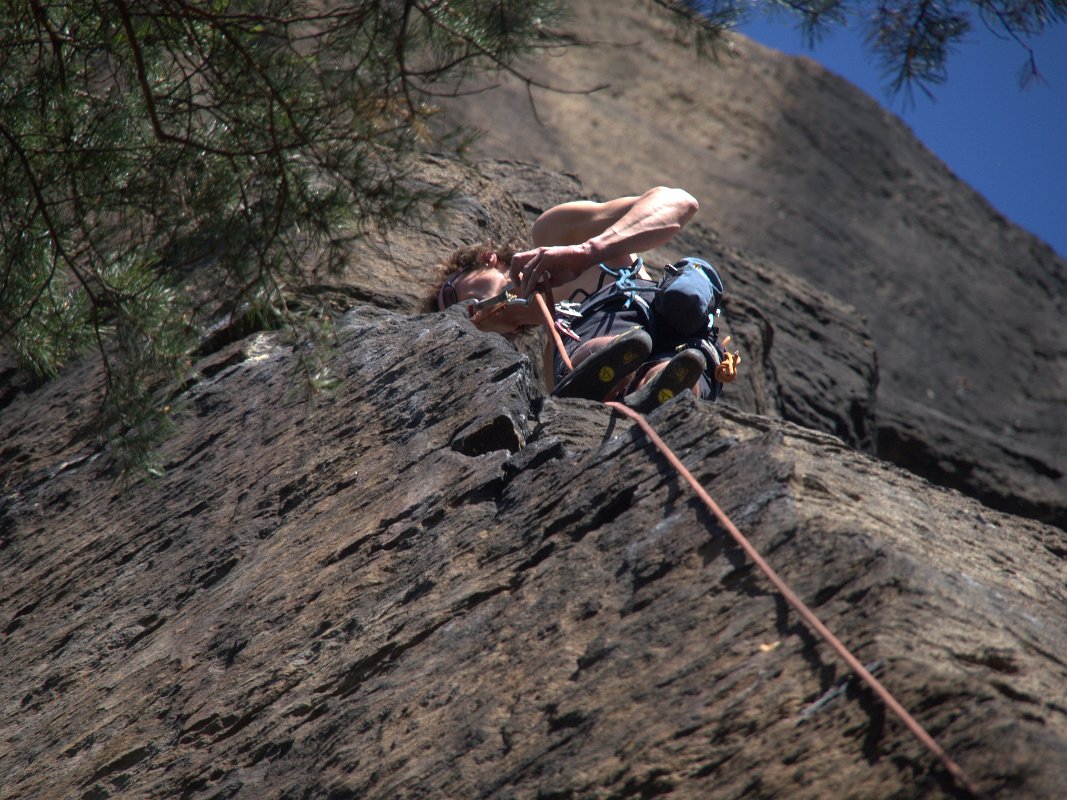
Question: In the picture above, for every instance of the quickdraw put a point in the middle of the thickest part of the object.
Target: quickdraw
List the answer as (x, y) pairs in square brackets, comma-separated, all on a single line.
[(494, 303)]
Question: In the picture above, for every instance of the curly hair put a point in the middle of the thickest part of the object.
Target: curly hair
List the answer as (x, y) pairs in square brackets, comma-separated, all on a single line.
[(467, 258)]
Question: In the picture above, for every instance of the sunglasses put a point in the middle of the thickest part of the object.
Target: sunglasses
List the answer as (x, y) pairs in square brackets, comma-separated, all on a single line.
[(447, 296)]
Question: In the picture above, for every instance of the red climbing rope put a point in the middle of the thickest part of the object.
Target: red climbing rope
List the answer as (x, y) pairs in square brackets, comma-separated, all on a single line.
[(806, 613), (729, 369), (550, 323)]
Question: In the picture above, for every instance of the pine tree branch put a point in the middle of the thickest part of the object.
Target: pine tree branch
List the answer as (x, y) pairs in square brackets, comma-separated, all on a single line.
[(150, 105), (57, 243), (40, 14)]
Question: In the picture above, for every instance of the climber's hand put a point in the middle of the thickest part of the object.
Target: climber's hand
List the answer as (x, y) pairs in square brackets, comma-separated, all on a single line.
[(550, 266)]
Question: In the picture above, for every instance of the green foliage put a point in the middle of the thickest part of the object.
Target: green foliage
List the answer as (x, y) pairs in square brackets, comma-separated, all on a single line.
[(706, 20), (913, 40), (167, 165)]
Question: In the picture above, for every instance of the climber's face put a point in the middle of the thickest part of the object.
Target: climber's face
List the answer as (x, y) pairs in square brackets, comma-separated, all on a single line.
[(487, 280), (480, 283)]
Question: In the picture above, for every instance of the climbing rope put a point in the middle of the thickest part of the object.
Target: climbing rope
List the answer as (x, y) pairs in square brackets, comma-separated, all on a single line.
[(783, 588), (550, 323), (801, 608)]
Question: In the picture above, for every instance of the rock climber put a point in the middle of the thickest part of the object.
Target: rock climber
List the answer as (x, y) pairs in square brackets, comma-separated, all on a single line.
[(623, 336)]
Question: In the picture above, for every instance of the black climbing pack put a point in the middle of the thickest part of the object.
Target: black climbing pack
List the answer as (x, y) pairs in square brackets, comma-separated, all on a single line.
[(688, 297)]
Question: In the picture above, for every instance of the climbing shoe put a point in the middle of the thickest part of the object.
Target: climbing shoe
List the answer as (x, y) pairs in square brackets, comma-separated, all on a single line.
[(680, 374), (605, 370)]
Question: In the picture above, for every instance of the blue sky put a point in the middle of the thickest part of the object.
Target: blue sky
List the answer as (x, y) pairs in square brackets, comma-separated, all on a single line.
[(1007, 142)]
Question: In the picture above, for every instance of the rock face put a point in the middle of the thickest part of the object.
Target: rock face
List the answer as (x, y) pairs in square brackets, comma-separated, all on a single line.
[(435, 582), (796, 166)]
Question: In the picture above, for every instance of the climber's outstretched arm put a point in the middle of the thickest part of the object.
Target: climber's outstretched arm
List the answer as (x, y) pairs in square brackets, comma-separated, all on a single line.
[(572, 237)]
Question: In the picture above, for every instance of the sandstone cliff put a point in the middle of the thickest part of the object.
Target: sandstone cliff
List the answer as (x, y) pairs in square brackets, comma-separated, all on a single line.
[(435, 582), (796, 166)]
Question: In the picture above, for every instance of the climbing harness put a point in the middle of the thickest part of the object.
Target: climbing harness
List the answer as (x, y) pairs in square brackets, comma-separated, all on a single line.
[(729, 368), (683, 306)]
